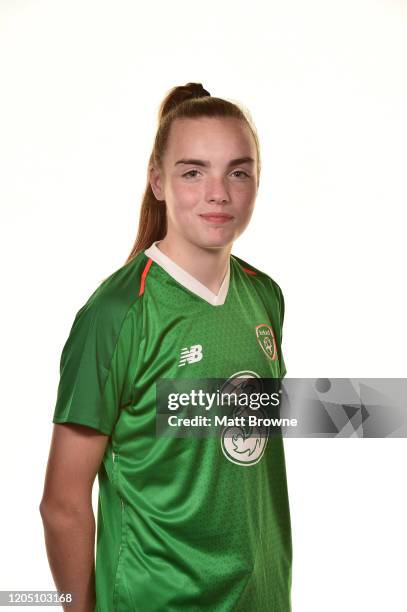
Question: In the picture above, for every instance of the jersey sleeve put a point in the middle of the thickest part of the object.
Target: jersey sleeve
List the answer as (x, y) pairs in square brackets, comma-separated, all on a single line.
[(95, 378), (283, 370)]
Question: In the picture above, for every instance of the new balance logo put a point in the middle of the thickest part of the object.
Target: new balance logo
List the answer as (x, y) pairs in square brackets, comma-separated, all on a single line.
[(191, 355)]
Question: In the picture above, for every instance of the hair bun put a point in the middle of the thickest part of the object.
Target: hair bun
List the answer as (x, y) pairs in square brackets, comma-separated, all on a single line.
[(183, 92), (195, 90)]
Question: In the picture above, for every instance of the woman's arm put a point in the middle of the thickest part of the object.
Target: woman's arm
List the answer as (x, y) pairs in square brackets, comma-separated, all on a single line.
[(66, 510)]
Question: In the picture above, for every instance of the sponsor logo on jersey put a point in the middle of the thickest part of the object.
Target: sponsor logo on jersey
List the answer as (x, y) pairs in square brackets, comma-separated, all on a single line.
[(244, 445), (191, 354), (266, 338)]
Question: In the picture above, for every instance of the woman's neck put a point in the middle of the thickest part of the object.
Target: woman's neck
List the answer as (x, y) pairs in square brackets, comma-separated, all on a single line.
[(208, 265)]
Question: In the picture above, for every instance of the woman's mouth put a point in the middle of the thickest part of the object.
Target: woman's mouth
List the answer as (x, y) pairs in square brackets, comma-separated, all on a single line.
[(216, 217)]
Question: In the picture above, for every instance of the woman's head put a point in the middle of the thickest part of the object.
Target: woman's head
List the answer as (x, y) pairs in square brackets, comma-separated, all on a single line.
[(205, 159)]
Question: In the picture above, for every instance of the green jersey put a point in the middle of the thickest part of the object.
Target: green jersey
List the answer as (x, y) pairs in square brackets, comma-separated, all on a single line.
[(183, 523)]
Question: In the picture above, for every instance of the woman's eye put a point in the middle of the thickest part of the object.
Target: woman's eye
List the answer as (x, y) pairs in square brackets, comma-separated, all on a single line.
[(241, 172), (189, 173)]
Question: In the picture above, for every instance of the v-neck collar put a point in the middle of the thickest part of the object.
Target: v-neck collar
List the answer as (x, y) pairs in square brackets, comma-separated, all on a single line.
[(186, 279)]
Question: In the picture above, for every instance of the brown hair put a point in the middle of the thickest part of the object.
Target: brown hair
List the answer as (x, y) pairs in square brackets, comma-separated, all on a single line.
[(184, 101)]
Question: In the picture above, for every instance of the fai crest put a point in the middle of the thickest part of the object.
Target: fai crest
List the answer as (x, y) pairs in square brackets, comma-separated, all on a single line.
[(266, 339)]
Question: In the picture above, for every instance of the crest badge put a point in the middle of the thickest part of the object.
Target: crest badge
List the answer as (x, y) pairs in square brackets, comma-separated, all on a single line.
[(266, 338)]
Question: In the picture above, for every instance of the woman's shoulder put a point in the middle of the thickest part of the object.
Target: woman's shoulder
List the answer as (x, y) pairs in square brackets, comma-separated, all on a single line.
[(116, 295), (259, 276)]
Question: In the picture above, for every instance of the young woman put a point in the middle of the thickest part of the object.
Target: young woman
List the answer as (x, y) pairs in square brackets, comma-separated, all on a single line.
[(184, 523)]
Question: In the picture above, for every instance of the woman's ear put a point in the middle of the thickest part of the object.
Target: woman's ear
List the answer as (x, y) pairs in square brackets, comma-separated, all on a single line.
[(156, 183)]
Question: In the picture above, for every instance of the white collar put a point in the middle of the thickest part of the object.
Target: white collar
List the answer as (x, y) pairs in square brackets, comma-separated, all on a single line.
[(186, 279)]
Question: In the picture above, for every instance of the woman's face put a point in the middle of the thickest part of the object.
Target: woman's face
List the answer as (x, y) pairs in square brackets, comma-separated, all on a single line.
[(209, 180)]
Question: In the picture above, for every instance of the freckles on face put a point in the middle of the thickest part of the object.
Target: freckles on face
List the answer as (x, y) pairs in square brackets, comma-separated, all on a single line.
[(182, 202), (186, 195), (202, 175)]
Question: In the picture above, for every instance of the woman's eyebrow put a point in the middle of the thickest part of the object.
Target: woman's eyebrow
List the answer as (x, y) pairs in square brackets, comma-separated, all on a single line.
[(201, 162)]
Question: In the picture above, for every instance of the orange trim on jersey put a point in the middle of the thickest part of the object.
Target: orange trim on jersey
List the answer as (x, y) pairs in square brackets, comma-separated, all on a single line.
[(144, 275), (249, 271)]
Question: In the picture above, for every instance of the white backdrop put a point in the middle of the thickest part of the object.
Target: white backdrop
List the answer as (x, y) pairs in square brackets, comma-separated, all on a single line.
[(326, 85)]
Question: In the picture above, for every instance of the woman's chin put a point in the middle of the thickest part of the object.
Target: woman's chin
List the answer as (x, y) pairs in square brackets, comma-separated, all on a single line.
[(216, 237)]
